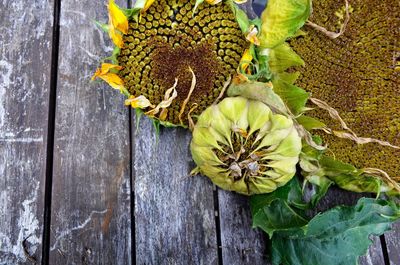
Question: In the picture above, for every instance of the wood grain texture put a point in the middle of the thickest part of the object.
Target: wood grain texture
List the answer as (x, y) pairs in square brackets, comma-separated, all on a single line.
[(241, 244), (25, 56), (393, 244), (174, 213), (91, 192)]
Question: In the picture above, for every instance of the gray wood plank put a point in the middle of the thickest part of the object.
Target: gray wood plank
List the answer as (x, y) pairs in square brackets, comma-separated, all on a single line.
[(25, 57), (240, 243), (392, 239), (174, 213), (91, 188)]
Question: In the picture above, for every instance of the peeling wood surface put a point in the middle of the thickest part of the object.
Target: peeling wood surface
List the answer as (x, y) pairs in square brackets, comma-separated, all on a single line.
[(25, 46), (241, 244), (174, 213), (91, 219), (392, 239)]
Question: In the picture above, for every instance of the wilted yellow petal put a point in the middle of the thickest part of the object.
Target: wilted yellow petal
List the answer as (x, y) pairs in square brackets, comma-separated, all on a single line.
[(213, 2), (104, 69), (118, 19), (252, 35), (113, 80), (138, 102), (116, 37), (245, 61)]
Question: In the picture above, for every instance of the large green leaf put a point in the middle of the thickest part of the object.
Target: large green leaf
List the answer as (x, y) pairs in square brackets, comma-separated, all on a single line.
[(319, 168), (310, 123), (350, 178), (283, 57), (279, 210), (294, 97), (336, 237), (282, 19)]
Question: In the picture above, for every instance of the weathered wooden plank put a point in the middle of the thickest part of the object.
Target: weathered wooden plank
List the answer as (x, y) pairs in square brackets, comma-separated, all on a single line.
[(25, 57), (174, 213), (374, 254), (392, 239), (240, 243), (91, 192)]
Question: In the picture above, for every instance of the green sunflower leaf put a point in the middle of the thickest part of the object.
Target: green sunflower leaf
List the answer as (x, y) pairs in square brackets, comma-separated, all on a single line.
[(283, 57), (282, 19), (104, 26), (337, 237), (310, 123), (277, 211), (241, 17), (294, 97), (348, 177)]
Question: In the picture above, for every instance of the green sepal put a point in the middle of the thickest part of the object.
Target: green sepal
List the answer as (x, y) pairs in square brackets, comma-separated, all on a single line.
[(114, 56), (138, 115), (198, 2), (156, 125), (310, 123), (132, 12), (170, 125), (282, 19), (105, 27), (241, 17), (125, 92)]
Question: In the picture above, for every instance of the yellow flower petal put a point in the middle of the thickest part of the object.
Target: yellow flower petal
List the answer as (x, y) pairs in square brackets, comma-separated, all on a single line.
[(118, 19), (213, 2), (252, 35), (240, 1), (105, 68), (147, 5), (245, 61), (138, 102), (111, 78), (116, 37)]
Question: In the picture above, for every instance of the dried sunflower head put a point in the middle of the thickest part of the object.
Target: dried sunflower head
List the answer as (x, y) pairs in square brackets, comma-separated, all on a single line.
[(241, 145), (178, 56), (358, 75)]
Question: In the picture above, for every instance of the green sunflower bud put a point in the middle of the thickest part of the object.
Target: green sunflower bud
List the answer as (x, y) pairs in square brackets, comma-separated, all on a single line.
[(241, 145)]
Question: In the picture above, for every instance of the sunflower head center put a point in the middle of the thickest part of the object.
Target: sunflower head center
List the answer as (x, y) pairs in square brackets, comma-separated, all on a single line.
[(175, 62)]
